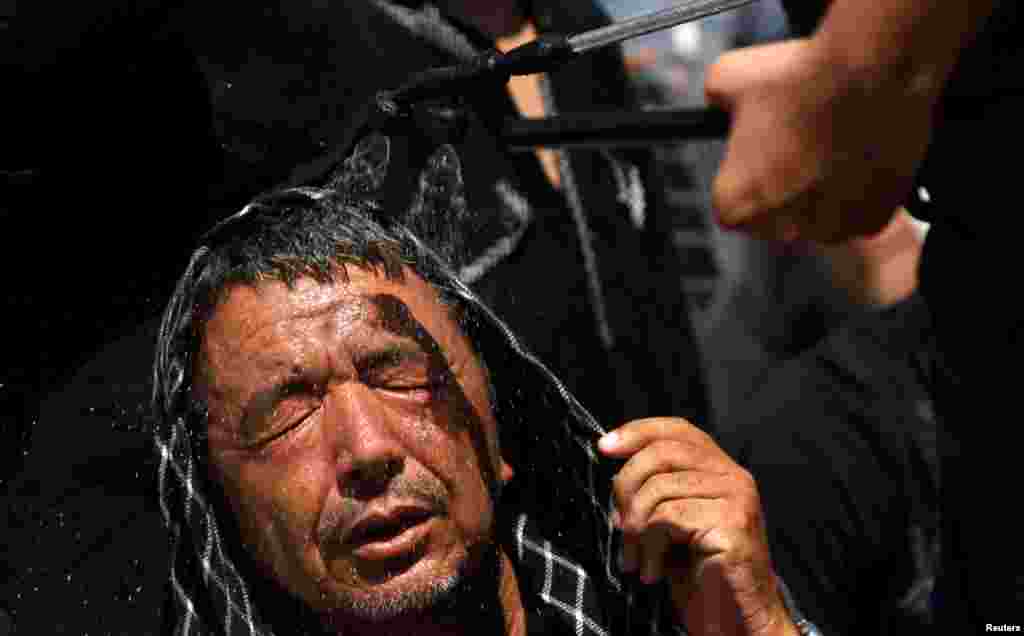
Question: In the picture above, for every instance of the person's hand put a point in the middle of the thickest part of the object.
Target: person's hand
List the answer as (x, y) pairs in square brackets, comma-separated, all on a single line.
[(881, 270), (689, 514), (818, 149)]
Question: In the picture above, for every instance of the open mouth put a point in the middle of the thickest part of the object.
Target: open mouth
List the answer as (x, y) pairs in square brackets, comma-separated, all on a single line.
[(380, 536), (384, 528)]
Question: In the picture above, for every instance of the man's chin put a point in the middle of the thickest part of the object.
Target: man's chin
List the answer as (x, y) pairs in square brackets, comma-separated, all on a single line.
[(388, 590)]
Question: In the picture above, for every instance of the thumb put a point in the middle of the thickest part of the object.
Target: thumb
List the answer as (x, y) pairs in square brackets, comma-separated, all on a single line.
[(724, 79), (744, 70)]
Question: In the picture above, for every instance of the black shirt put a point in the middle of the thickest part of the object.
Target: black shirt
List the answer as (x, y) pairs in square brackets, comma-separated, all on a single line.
[(842, 443)]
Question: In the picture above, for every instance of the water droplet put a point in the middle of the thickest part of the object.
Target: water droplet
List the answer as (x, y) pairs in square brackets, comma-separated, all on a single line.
[(134, 593)]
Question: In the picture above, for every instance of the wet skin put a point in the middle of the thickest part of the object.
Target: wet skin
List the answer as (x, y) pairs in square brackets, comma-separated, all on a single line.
[(351, 431)]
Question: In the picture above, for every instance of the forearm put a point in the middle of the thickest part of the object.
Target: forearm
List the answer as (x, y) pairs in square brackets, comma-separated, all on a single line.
[(916, 42)]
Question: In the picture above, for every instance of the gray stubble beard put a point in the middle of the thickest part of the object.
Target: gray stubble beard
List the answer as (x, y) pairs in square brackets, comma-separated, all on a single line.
[(461, 598)]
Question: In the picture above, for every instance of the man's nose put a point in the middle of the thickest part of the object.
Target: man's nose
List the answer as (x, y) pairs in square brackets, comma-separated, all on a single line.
[(369, 452)]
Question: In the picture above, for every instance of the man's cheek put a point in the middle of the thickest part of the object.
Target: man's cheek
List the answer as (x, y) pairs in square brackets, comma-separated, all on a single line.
[(279, 515), (475, 512)]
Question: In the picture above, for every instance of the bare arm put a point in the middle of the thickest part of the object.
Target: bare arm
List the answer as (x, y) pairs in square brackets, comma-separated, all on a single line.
[(828, 131), (917, 41)]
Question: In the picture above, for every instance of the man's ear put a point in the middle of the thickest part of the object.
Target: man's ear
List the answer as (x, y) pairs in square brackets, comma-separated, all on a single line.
[(505, 472)]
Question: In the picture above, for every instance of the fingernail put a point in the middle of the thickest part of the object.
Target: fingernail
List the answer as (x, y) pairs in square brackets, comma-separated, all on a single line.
[(616, 519), (609, 441)]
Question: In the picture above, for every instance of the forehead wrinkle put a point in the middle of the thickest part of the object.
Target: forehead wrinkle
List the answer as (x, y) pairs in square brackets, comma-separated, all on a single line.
[(348, 309), (302, 305), (256, 335)]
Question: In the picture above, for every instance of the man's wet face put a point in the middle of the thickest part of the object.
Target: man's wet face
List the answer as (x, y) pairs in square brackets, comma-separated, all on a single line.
[(351, 430)]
